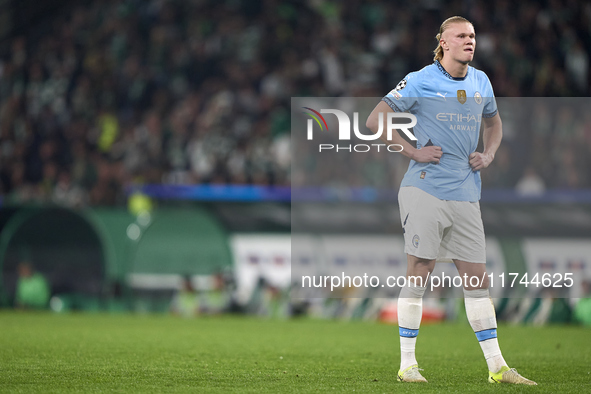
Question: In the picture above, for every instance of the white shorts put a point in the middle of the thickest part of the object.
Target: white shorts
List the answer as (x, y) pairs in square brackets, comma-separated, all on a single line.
[(441, 229)]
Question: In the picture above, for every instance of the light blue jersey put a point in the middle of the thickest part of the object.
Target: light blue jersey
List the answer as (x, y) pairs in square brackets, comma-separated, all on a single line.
[(449, 112)]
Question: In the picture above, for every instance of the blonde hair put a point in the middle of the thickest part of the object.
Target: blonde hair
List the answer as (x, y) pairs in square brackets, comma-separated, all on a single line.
[(454, 19)]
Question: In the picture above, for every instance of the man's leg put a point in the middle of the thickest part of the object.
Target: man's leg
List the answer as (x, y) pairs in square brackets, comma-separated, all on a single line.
[(423, 223), (481, 315), (410, 311)]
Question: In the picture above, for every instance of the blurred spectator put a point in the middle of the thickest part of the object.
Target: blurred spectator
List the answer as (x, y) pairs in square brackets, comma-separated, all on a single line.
[(32, 290), (216, 300), (530, 184), (114, 298), (68, 194), (199, 91), (583, 307), (502, 172), (186, 301)]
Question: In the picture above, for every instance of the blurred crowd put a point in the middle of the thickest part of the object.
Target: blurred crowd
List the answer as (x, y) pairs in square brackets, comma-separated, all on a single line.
[(217, 295), (119, 92), (546, 145)]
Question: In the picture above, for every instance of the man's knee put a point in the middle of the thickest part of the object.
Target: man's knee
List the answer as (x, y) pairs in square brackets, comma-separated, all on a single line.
[(419, 269), (474, 275), (477, 282)]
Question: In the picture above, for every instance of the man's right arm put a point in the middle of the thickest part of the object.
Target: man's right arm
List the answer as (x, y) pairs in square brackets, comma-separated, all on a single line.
[(427, 154)]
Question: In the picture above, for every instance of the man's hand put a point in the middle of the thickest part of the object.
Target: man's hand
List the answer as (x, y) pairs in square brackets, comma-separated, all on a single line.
[(478, 160), (428, 154)]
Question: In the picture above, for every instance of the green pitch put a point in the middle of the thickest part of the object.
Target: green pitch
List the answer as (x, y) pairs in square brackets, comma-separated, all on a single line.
[(86, 353)]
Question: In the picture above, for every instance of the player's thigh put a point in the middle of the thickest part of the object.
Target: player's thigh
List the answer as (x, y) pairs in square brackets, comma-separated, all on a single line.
[(465, 240), (423, 221)]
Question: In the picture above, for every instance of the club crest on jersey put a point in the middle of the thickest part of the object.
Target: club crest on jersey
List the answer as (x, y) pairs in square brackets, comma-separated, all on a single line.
[(400, 85), (478, 98), (423, 173), (462, 96)]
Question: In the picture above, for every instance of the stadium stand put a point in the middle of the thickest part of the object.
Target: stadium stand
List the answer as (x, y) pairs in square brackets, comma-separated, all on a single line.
[(106, 94)]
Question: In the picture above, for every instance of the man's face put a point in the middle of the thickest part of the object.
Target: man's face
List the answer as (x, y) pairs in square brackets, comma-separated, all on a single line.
[(459, 42)]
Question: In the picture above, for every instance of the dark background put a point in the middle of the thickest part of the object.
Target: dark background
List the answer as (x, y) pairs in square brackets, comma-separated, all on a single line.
[(96, 96)]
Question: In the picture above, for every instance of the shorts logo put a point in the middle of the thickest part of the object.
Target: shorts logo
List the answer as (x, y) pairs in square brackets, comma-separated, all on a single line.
[(478, 98), (423, 173), (415, 241), (462, 96), (400, 85)]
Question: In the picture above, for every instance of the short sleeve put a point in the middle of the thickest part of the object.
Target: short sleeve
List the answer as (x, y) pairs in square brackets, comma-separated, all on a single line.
[(490, 103), (404, 97)]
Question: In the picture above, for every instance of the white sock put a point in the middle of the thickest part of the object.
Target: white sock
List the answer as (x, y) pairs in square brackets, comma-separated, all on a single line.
[(481, 315), (410, 311)]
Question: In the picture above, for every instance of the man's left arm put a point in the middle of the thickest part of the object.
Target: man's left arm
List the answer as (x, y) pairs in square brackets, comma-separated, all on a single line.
[(491, 137)]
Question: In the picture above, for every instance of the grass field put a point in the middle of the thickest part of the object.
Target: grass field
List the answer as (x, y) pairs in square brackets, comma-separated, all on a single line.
[(46, 353)]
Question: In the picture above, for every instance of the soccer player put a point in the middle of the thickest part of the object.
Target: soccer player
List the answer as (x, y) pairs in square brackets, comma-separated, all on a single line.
[(439, 194)]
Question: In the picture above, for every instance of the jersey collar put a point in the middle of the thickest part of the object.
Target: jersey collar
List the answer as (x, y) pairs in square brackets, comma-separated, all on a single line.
[(440, 67)]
